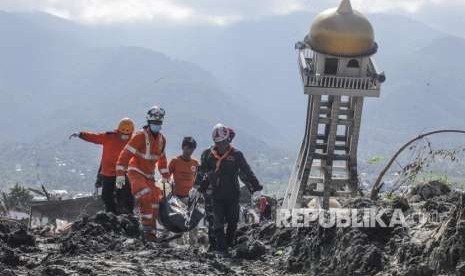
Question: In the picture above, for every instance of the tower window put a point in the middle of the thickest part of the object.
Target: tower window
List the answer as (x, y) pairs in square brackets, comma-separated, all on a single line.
[(331, 65), (353, 63)]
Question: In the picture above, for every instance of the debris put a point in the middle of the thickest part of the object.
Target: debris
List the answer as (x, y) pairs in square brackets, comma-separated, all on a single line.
[(106, 244), (400, 203), (317, 203), (429, 190), (102, 233), (9, 257), (20, 237), (250, 250), (14, 240), (6, 272)]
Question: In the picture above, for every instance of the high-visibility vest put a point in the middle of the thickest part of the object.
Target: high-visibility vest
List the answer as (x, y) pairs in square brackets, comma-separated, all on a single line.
[(143, 154)]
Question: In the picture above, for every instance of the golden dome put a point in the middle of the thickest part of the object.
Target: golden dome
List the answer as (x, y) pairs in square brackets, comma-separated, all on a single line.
[(342, 32)]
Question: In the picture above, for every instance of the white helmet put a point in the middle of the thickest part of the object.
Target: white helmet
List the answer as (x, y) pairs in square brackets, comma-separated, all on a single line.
[(220, 133), (155, 114)]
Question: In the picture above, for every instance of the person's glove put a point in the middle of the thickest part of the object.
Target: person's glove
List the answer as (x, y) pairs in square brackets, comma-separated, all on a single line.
[(120, 182), (74, 135), (193, 193), (98, 184)]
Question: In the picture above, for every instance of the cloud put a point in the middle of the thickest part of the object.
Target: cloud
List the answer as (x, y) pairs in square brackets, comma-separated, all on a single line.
[(105, 11), (218, 12)]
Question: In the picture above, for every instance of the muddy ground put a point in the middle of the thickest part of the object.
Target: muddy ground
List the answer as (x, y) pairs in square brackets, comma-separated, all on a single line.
[(110, 245)]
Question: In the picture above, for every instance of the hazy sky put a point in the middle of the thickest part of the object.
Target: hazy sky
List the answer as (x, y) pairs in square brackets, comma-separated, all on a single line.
[(219, 12)]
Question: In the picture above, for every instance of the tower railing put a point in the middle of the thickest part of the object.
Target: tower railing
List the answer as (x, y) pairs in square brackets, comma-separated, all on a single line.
[(342, 82), (320, 84)]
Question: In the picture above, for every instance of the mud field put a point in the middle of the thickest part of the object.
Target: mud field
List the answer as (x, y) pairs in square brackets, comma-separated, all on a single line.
[(110, 245)]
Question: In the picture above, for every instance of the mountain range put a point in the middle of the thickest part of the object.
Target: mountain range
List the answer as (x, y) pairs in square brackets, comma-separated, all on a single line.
[(57, 77)]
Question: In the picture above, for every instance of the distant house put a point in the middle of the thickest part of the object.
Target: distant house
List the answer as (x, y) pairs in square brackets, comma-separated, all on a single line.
[(49, 212), (17, 215)]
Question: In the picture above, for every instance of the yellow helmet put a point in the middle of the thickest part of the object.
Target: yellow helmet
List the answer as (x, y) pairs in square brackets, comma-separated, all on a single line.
[(126, 126)]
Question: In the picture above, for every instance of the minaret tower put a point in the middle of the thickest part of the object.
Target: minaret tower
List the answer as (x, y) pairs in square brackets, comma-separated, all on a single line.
[(338, 71)]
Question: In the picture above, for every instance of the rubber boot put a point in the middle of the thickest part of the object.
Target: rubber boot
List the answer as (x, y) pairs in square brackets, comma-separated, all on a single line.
[(231, 236), (220, 239)]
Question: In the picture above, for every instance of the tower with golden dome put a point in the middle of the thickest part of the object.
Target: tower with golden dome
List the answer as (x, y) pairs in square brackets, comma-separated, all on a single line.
[(338, 70)]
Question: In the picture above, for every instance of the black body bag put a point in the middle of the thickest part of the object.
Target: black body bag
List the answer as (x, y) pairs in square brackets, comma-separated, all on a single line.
[(177, 217)]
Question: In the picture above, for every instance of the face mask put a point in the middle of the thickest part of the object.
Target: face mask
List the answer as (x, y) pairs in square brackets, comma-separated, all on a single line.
[(155, 128), (124, 136)]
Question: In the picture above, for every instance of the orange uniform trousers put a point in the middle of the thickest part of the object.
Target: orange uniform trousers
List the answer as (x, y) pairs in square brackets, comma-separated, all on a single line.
[(148, 197)]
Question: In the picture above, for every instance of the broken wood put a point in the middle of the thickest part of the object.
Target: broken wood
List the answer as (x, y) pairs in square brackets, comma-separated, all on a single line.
[(378, 184)]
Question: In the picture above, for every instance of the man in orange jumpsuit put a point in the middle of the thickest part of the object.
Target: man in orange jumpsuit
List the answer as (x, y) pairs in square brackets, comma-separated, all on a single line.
[(113, 143), (184, 168), (144, 152)]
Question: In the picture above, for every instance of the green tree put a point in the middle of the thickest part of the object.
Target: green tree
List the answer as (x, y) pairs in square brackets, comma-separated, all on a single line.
[(18, 198)]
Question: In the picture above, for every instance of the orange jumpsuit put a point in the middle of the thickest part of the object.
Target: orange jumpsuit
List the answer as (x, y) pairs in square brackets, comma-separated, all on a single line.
[(112, 144), (112, 147), (142, 154), (183, 172)]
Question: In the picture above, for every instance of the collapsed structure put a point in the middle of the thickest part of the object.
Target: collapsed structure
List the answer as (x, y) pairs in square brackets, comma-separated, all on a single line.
[(106, 244), (337, 71), (55, 210)]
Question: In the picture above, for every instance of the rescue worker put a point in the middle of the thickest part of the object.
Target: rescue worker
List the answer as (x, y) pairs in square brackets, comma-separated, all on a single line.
[(113, 143), (221, 167), (265, 208), (183, 169), (144, 152)]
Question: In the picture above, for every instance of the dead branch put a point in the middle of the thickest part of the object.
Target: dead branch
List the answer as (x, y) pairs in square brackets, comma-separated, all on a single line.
[(378, 184)]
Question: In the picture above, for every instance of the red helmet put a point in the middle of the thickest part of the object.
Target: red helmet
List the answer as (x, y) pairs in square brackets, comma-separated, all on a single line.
[(232, 134), (221, 133)]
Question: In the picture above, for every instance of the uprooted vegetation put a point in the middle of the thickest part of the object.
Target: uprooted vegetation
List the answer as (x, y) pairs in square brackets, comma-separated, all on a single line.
[(423, 160), (110, 245)]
